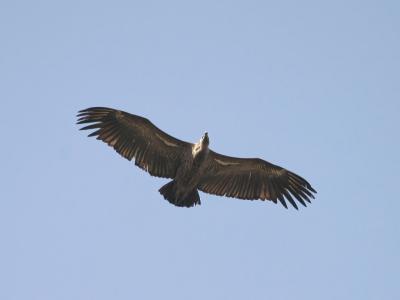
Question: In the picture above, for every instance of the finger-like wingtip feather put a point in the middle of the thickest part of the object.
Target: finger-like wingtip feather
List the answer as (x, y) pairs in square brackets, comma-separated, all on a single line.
[(282, 201), (290, 199), (311, 188)]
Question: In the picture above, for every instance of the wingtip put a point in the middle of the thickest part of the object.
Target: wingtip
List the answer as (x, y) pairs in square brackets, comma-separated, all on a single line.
[(282, 201), (312, 189), (93, 109), (84, 111)]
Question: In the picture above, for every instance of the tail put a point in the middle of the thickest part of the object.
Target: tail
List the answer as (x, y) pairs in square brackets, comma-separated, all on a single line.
[(170, 194)]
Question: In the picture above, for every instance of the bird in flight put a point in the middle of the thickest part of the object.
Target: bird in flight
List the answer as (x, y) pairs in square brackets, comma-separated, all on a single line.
[(192, 167)]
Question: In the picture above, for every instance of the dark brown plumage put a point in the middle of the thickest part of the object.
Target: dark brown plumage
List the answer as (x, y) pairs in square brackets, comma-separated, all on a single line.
[(193, 166)]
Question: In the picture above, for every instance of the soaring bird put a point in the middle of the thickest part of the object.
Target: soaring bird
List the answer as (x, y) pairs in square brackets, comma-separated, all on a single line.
[(193, 167)]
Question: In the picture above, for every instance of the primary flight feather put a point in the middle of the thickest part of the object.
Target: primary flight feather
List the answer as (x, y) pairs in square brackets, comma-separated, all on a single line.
[(193, 167)]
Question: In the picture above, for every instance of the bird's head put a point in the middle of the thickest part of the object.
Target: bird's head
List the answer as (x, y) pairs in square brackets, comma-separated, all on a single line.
[(205, 141)]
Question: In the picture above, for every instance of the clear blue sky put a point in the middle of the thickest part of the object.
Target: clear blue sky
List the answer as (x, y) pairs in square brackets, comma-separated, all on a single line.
[(309, 85)]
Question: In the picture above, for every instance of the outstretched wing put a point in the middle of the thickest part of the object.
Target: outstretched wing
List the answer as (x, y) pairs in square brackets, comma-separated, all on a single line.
[(253, 178), (135, 137)]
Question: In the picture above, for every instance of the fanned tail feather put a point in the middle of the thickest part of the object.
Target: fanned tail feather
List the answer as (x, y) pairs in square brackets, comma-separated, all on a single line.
[(169, 192)]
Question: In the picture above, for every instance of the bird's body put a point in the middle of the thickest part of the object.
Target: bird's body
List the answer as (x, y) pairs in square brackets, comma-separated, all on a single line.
[(188, 175), (193, 167)]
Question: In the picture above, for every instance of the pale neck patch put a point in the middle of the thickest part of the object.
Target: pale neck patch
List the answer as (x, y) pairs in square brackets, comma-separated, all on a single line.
[(196, 149)]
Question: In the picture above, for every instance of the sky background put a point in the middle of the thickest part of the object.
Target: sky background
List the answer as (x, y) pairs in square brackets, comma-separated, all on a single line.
[(312, 86)]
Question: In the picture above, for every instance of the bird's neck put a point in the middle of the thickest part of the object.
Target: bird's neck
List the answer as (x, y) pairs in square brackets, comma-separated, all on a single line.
[(199, 149)]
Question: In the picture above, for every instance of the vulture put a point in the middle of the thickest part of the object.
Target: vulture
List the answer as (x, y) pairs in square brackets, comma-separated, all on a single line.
[(192, 167)]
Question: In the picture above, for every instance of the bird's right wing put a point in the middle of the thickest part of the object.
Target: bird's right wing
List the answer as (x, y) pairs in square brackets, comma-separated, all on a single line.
[(253, 178), (135, 137)]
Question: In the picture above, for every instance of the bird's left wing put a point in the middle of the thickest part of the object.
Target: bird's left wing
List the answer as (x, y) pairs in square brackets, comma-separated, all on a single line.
[(135, 137), (253, 178)]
